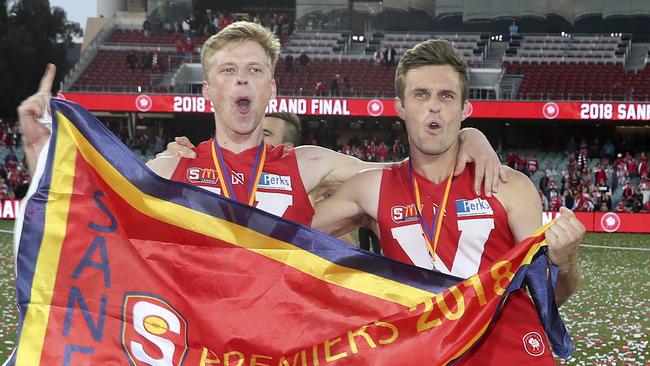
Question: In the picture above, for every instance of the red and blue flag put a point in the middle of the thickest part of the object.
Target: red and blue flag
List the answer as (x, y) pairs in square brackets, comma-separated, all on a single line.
[(117, 266)]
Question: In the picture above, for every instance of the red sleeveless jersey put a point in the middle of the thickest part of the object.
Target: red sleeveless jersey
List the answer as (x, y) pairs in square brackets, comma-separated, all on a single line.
[(280, 190), (474, 234)]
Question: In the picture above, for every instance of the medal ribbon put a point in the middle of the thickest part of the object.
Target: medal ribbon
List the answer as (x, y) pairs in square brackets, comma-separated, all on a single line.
[(431, 235), (224, 175)]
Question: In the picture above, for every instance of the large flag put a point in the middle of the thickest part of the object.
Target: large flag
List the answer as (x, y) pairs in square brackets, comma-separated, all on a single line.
[(117, 266)]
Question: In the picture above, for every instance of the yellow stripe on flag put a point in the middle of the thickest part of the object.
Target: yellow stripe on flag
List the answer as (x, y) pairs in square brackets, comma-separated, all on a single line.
[(32, 335)]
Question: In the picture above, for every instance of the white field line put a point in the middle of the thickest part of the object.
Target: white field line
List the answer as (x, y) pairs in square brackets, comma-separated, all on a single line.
[(608, 247)]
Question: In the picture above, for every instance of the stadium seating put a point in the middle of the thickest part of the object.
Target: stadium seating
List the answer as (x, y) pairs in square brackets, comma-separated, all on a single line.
[(580, 81), (555, 67), (314, 43), (136, 36), (109, 72), (366, 79)]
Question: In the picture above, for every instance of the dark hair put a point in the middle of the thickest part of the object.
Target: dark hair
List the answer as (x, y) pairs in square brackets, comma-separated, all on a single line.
[(293, 131), (432, 52)]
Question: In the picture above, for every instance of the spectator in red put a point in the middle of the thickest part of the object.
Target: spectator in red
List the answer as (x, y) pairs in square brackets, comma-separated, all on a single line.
[(226, 21), (619, 159), (532, 165), (643, 164), (628, 194), (180, 45), (346, 149), (631, 165), (586, 206), (621, 173), (321, 89), (599, 173), (382, 152), (189, 47), (620, 208)]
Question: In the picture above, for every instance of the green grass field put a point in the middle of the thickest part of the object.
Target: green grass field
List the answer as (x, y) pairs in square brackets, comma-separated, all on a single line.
[(609, 316)]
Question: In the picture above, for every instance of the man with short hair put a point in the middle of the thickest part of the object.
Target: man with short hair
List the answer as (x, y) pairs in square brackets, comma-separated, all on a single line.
[(427, 217), (282, 128)]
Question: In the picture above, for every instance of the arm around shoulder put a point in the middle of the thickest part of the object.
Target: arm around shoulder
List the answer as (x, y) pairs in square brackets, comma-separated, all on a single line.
[(352, 204), (318, 164), (164, 166)]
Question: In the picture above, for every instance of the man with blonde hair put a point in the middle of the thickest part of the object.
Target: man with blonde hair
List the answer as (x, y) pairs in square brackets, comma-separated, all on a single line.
[(238, 65)]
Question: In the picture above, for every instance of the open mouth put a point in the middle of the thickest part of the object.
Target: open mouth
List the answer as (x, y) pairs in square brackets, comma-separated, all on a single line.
[(243, 104), (433, 126)]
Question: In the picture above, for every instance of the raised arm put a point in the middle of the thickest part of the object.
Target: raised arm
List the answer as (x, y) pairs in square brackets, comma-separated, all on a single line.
[(353, 204), (30, 112), (524, 208)]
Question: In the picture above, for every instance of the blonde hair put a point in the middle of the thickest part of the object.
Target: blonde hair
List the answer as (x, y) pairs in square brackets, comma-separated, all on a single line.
[(432, 52), (240, 32)]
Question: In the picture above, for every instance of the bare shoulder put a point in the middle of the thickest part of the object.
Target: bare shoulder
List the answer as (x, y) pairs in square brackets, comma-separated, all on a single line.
[(370, 177), (518, 188), (312, 153), (164, 166), (516, 177)]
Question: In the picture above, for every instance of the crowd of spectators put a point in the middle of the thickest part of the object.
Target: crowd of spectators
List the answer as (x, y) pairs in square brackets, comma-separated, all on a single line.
[(374, 149), (14, 176), (583, 185), (202, 25)]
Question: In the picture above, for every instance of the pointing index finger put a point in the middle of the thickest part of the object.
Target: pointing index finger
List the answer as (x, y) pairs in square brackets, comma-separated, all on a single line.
[(45, 85)]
